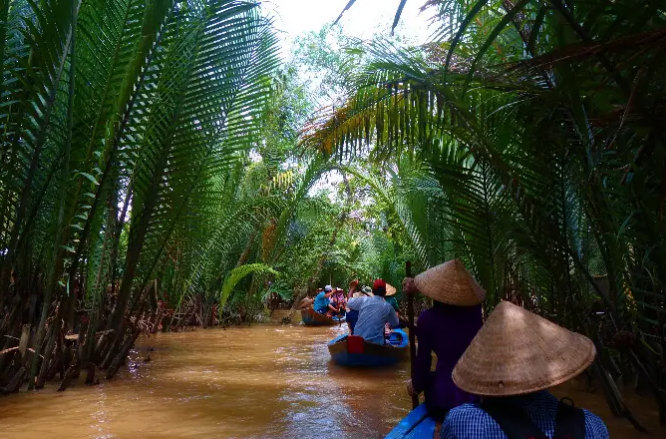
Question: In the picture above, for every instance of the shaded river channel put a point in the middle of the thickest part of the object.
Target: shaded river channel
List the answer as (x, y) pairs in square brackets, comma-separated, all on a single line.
[(262, 381)]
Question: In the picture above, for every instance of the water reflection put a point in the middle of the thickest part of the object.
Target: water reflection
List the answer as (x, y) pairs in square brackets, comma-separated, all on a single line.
[(256, 382)]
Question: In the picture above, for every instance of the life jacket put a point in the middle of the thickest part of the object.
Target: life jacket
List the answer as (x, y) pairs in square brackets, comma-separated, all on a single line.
[(569, 421)]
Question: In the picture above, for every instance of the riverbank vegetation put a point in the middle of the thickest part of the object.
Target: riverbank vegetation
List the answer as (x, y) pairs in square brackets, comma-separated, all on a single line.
[(162, 167), (122, 122)]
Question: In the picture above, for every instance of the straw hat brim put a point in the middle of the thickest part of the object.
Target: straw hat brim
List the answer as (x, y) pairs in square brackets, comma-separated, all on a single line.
[(390, 290), (450, 283), (518, 352)]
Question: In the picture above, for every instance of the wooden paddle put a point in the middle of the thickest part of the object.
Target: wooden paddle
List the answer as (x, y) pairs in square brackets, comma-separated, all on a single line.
[(412, 333)]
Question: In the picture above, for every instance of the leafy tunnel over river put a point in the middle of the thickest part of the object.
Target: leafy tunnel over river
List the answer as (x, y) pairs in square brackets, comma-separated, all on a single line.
[(171, 165)]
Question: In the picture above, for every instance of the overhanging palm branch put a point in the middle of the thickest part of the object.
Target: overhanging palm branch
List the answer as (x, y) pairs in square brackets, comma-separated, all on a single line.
[(239, 273)]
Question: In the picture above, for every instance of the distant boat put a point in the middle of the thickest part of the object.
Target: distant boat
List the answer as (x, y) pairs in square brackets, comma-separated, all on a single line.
[(311, 317), (352, 350), (417, 424)]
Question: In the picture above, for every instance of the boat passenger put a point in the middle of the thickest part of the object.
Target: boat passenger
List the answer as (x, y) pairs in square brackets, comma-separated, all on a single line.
[(373, 314), (390, 298), (445, 329), (338, 302), (511, 362), (322, 300), (354, 292)]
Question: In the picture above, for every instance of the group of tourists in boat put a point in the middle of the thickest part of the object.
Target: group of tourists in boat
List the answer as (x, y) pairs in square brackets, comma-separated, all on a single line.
[(375, 336), (491, 378)]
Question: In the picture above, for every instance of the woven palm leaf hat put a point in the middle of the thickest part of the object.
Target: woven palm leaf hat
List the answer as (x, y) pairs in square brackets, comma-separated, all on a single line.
[(390, 290), (517, 352), (450, 283)]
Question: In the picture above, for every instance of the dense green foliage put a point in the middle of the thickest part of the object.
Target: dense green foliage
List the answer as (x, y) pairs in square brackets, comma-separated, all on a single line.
[(122, 122), (539, 128), (160, 168)]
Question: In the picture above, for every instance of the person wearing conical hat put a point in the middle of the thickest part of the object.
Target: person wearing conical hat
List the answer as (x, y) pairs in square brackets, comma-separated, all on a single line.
[(390, 297), (511, 362), (445, 329)]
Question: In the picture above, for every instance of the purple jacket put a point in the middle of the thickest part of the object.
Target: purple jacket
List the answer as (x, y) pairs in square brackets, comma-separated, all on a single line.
[(447, 330)]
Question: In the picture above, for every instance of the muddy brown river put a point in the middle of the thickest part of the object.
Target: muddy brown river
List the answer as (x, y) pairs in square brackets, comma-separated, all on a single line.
[(262, 381)]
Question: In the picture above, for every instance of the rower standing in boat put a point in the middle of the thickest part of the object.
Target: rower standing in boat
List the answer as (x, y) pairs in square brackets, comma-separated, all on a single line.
[(373, 314), (511, 362), (447, 329)]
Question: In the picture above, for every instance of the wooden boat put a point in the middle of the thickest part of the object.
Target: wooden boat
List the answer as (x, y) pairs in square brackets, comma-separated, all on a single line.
[(311, 317), (417, 424), (352, 350)]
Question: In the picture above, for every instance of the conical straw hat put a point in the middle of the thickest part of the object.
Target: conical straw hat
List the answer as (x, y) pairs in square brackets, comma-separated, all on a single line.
[(390, 290), (517, 352), (450, 283)]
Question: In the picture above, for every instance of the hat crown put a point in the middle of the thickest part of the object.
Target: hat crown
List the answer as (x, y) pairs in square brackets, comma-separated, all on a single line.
[(450, 283), (379, 283), (517, 352)]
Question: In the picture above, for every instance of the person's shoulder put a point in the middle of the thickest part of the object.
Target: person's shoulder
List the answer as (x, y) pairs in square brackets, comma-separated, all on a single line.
[(465, 410), (388, 309), (595, 428), (356, 300), (468, 420)]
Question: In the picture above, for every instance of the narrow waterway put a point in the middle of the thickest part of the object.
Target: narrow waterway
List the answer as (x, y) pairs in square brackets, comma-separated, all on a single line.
[(261, 381)]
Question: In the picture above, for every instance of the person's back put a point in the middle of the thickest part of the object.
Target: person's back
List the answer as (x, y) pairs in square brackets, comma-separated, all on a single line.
[(435, 332), (471, 421), (514, 358), (373, 315), (445, 329), (322, 301), (393, 302)]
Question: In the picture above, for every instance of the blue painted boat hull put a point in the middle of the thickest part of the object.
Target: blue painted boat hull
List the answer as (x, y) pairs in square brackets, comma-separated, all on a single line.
[(417, 424), (369, 354)]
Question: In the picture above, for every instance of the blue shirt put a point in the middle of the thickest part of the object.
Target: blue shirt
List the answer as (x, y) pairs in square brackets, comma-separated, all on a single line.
[(469, 421), (321, 302), (393, 302), (373, 314)]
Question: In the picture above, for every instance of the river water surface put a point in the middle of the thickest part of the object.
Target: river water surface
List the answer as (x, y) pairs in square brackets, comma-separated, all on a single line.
[(249, 382)]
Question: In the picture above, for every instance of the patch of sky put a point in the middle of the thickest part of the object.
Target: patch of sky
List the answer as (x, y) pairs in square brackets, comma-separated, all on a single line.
[(364, 20)]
